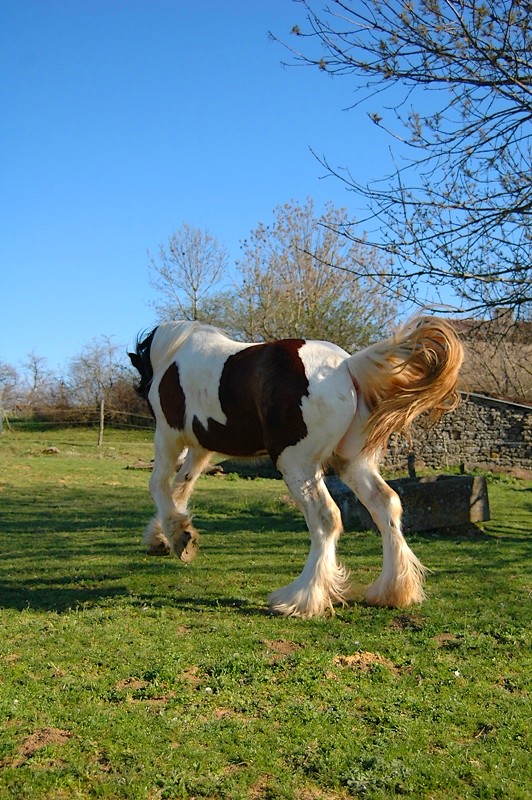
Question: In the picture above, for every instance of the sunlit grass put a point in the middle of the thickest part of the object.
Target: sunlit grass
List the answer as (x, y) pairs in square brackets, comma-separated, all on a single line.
[(124, 676)]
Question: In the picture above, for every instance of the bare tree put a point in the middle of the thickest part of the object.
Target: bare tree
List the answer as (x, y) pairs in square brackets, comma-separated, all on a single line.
[(188, 270), (40, 380), (300, 278), (451, 82), (94, 373), (9, 391)]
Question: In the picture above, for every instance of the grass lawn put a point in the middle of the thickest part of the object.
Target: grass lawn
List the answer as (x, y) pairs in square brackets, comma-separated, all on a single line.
[(124, 676)]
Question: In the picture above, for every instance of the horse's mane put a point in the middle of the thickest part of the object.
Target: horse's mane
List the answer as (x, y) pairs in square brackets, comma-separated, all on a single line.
[(142, 363), (168, 338), (155, 351)]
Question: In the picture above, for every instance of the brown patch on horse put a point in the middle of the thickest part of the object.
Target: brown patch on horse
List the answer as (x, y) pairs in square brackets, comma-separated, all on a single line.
[(172, 397), (261, 389)]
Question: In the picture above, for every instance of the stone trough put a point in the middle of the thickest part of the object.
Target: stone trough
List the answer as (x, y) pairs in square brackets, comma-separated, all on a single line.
[(429, 503)]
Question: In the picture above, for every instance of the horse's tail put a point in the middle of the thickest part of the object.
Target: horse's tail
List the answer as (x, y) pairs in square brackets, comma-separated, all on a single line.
[(413, 371), (156, 350)]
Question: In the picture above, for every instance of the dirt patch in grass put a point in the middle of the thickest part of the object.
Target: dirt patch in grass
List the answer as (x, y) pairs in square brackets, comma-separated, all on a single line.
[(406, 622), (224, 713), (131, 684), (35, 742), (183, 630), (280, 648), (313, 793), (10, 658), (449, 640), (364, 662), (192, 676), (260, 789), (264, 789), (136, 692)]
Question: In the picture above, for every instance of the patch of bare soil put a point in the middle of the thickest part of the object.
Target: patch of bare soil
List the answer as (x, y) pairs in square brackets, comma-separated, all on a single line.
[(224, 713), (448, 640), (183, 630), (280, 648), (192, 676), (35, 742), (133, 685), (406, 622), (260, 788), (364, 661), (10, 658), (313, 793)]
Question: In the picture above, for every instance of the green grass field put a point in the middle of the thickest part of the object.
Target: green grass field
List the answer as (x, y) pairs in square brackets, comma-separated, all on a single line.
[(124, 676)]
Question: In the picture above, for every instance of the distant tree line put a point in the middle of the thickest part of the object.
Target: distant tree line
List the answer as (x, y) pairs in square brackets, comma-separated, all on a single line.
[(96, 381)]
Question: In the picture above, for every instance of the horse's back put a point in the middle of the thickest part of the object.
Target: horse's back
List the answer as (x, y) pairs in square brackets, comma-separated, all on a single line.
[(244, 399)]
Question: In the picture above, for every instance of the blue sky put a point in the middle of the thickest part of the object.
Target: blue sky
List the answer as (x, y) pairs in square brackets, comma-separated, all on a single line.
[(123, 119)]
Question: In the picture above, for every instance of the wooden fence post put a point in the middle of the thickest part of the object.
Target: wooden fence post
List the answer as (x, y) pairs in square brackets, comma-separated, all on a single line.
[(102, 420)]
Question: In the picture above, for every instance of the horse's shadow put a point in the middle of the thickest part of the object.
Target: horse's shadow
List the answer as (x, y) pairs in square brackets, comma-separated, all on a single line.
[(200, 605), (56, 599), (78, 583)]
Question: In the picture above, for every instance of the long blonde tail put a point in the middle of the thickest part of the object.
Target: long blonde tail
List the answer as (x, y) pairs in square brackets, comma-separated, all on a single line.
[(413, 371)]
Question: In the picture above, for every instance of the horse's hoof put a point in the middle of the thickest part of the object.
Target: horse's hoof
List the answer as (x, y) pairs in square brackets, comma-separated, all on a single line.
[(186, 548), (159, 549)]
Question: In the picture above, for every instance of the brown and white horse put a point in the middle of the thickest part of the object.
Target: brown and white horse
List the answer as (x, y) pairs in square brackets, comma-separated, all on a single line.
[(306, 404)]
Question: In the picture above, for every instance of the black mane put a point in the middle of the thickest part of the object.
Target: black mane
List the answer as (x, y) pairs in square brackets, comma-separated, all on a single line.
[(142, 363)]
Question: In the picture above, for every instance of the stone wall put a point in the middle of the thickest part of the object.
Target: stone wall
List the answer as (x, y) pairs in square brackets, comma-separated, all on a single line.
[(482, 431)]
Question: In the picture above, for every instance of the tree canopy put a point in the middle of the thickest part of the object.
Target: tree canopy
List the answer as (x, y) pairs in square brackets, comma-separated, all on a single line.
[(451, 82), (296, 277), (300, 278)]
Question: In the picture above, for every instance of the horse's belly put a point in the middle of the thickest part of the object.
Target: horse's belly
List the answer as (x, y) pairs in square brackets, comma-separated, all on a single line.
[(239, 438)]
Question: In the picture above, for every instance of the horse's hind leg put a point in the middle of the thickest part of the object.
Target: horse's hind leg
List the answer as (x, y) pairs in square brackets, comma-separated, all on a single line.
[(322, 581), (401, 581)]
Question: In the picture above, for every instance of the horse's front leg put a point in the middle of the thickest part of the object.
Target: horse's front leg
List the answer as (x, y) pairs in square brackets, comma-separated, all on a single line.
[(322, 582), (171, 530), (195, 461), (185, 541)]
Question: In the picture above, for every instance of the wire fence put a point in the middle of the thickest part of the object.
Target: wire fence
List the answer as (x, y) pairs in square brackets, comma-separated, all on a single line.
[(77, 416)]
